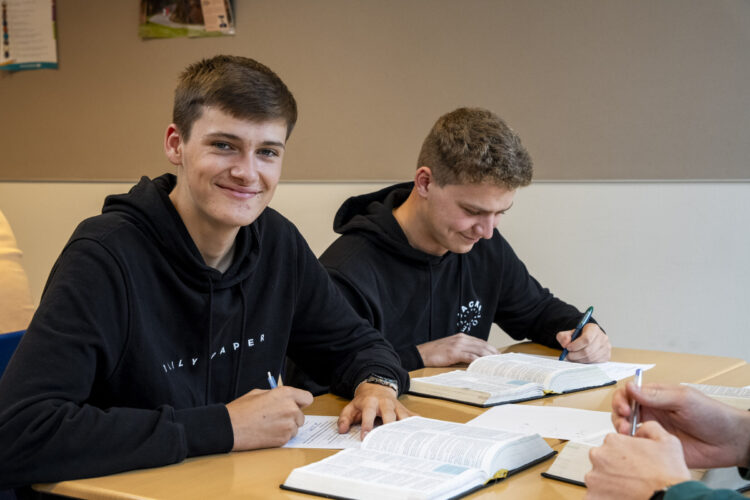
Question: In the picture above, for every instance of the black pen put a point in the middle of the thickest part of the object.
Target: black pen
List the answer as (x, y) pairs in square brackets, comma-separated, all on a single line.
[(579, 328)]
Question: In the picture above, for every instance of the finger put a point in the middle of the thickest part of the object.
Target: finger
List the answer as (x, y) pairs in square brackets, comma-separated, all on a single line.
[(369, 413), (403, 412), (301, 397), (597, 350), (479, 347), (621, 403), (347, 417), (387, 412), (622, 425), (563, 338), (299, 419)]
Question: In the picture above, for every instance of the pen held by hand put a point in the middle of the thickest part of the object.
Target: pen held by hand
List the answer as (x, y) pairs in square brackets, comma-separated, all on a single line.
[(635, 407), (579, 328)]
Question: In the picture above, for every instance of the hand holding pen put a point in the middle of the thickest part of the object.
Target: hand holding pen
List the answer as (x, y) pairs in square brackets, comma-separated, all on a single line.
[(577, 332)]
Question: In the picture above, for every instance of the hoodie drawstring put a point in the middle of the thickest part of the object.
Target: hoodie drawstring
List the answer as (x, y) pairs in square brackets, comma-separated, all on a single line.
[(236, 383), (209, 337), (460, 286)]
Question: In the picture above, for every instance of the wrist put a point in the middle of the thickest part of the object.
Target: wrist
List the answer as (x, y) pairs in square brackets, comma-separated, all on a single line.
[(743, 453), (379, 380)]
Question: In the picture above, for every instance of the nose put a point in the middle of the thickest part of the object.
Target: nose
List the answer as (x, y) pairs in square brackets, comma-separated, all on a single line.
[(245, 170), (485, 227)]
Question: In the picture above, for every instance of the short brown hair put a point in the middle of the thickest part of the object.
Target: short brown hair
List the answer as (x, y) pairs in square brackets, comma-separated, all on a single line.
[(474, 145), (240, 86)]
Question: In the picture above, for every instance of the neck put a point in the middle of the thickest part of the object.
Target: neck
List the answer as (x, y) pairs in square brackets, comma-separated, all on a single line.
[(408, 216), (215, 243)]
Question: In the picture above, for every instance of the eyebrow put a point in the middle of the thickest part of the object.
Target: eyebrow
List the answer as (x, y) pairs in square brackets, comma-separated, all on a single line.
[(233, 137), (483, 211)]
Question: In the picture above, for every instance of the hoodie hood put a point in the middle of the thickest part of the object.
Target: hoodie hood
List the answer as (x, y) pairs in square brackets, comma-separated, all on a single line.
[(371, 216), (148, 206)]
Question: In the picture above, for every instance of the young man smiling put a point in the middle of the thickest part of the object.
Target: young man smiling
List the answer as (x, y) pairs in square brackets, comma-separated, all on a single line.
[(424, 264), (163, 315)]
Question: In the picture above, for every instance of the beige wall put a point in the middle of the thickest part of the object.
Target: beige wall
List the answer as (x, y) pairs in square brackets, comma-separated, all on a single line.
[(598, 89), (665, 264)]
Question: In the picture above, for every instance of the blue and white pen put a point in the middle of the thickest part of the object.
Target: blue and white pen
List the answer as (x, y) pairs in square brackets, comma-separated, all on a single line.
[(271, 381)]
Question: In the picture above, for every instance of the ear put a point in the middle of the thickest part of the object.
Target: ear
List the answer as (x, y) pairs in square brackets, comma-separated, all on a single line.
[(423, 180), (173, 145)]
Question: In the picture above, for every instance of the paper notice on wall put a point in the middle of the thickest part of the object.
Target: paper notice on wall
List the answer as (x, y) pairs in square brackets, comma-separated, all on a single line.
[(29, 40), (186, 18)]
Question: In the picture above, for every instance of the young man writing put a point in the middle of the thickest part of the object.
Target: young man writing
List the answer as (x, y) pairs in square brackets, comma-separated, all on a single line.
[(424, 264), (163, 316)]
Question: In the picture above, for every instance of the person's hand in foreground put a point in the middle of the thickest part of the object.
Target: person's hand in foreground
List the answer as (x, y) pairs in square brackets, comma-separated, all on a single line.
[(372, 401), (626, 467), (712, 434)]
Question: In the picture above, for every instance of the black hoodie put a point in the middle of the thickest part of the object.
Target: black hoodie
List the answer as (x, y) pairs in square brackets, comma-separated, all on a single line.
[(138, 344), (413, 297)]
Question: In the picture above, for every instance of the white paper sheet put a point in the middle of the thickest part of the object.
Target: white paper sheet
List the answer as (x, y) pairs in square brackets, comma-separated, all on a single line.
[(322, 432), (548, 421)]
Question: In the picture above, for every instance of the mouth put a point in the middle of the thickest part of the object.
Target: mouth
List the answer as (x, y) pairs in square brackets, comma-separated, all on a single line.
[(468, 238), (240, 192)]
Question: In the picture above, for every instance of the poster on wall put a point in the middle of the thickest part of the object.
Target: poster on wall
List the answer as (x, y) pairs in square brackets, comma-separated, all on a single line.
[(29, 35), (185, 18)]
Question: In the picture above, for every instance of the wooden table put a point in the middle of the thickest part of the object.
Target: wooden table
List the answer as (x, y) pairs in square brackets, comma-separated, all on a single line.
[(736, 377), (257, 474)]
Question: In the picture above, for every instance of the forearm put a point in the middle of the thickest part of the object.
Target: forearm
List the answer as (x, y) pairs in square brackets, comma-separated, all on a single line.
[(52, 442)]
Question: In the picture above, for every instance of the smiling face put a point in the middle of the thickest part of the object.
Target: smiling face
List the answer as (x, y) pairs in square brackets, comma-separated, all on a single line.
[(227, 171), (454, 217)]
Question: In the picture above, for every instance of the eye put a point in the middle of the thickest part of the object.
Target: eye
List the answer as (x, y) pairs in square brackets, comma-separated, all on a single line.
[(270, 153), (223, 146), (471, 212)]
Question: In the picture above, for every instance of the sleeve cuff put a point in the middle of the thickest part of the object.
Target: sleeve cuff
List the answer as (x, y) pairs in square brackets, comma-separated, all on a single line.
[(411, 359), (687, 489), (207, 429)]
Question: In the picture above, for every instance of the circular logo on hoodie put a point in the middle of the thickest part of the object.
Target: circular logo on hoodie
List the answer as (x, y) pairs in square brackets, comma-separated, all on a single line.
[(469, 316)]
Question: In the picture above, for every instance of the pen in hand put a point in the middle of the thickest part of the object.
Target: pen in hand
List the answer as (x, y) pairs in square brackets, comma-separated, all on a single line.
[(577, 332), (271, 381), (634, 406)]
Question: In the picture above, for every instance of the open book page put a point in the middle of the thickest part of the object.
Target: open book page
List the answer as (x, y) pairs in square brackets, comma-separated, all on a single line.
[(375, 475), (323, 432), (614, 370), (571, 464), (548, 421), (457, 444), (479, 389), (738, 397), (553, 375)]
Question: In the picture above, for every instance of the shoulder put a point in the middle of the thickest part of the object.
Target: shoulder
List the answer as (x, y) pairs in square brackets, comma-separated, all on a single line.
[(350, 253), (105, 227), (272, 226)]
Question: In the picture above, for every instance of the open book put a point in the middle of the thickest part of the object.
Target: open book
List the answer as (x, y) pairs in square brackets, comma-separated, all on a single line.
[(573, 463), (420, 458), (739, 397), (510, 378)]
